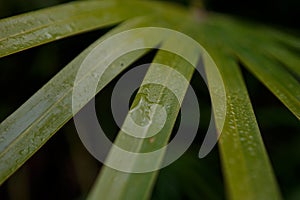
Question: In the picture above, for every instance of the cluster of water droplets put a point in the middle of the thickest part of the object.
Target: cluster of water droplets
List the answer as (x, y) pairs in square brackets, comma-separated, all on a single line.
[(239, 121)]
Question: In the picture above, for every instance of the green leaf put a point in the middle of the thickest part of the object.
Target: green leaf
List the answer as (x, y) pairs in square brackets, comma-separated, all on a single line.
[(246, 167), (30, 126), (247, 170), (259, 59), (279, 81), (39, 27), (139, 185)]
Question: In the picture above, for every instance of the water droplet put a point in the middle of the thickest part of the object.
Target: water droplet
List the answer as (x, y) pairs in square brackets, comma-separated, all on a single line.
[(251, 151), (48, 35), (23, 151), (69, 28), (232, 127), (141, 112)]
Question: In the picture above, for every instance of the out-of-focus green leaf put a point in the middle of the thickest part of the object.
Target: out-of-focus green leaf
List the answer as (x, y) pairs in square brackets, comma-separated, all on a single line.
[(257, 52), (289, 59), (285, 87)]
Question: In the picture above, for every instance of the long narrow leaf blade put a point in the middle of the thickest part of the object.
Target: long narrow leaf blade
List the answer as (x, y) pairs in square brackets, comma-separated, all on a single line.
[(246, 167), (279, 81), (259, 59), (39, 27), (139, 186), (29, 127)]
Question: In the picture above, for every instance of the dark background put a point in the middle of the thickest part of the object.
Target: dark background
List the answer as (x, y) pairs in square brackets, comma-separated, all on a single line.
[(62, 169)]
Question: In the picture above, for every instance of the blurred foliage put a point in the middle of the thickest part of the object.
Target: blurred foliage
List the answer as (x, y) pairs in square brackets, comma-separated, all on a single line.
[(70, 170)]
